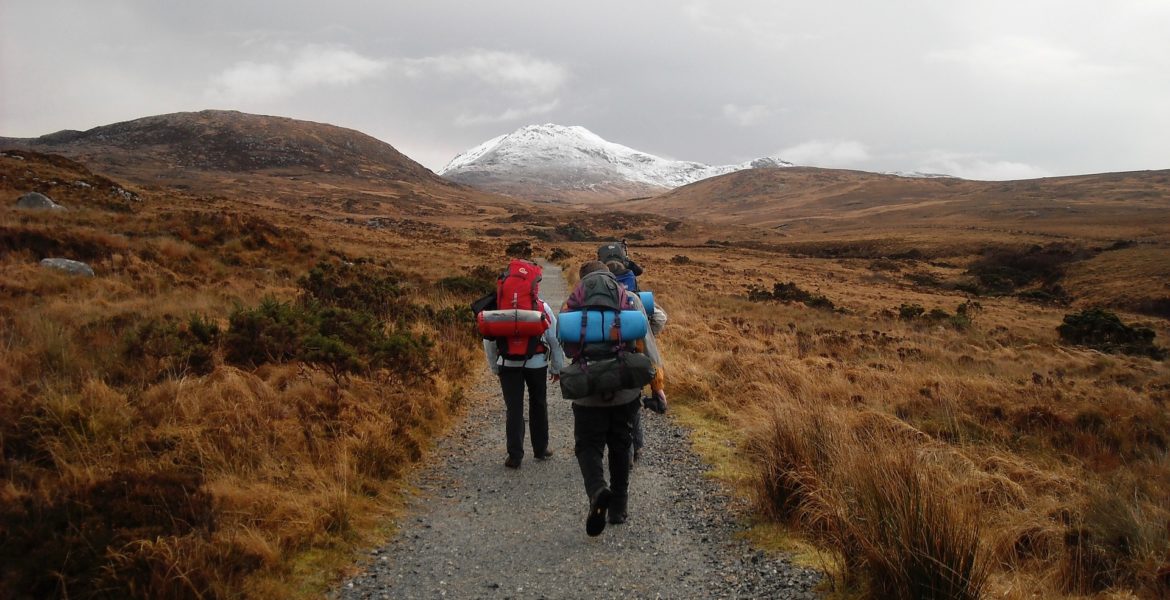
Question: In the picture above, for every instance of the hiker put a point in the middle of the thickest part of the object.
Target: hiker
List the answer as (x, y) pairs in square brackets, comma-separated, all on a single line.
[(525, 361), (605, 381), (656, 401), (620, 252)]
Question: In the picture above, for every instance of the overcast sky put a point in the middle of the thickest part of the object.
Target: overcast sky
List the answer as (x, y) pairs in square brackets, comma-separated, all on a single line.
[(984, 90)]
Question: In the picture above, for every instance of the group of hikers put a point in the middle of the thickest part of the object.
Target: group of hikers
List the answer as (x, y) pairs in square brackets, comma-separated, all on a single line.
[(606, 328)]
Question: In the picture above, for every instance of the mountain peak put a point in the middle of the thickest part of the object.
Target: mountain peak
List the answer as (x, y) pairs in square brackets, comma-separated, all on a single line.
[(572, 162)]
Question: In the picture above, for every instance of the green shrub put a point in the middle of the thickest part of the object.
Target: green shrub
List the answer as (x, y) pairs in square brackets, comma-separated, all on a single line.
[(332, 355), (269, 333), (405, 357), (909, 312), (478, 281), (357, 286), (451, 315), (961, 320), (1103, 330), (788, 293), (168, 347)]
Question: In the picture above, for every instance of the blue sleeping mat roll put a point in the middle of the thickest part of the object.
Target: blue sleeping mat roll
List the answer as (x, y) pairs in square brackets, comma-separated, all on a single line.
[(598, 324), (647, 301)]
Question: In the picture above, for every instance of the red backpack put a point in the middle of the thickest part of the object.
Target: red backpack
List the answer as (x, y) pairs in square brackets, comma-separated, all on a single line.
[(519, 320)]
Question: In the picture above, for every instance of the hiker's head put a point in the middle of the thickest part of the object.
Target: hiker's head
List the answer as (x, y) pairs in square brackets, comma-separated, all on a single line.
[(592, 266), (616, 267)]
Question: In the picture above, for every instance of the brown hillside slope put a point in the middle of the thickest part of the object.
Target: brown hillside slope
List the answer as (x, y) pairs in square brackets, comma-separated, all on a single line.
[(810, 199), (293, 162), (231, 141)]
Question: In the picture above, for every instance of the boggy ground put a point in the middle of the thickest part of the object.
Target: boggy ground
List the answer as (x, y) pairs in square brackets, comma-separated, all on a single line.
[(475, 529)]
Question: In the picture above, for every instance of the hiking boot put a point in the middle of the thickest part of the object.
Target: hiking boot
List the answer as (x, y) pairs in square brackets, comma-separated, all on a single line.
[(545, 455), (595, 522), (512, 463), (617, 509)]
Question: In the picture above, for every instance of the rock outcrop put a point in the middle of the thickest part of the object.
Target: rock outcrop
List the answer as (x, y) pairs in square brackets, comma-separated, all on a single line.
[(38, 201), (72, 267)]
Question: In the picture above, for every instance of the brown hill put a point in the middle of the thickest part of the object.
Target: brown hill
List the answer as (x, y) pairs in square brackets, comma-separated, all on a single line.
[(810, 199), (230, 141)]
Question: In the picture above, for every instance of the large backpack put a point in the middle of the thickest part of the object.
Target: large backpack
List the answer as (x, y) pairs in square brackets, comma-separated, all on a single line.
[(611, 364), (517, 321)]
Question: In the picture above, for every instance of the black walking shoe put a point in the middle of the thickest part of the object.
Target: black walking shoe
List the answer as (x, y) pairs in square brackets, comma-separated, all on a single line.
[(595, 522), (617, 509), (512, 463)]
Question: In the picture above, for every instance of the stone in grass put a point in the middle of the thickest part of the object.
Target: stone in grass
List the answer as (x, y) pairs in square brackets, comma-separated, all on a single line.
[(38, 201), (72, 267)]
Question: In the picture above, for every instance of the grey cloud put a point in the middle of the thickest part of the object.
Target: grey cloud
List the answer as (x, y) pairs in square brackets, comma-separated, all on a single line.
[(994, 88)]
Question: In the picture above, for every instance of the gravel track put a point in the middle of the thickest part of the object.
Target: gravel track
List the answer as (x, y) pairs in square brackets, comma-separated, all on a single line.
[(475, 529)]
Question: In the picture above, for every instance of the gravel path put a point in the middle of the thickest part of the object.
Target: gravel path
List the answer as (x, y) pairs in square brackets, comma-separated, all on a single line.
[(478, 530)]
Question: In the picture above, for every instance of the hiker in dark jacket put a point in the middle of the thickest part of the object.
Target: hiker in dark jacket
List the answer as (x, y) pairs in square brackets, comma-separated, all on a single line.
[(630, 271), (605, 421)]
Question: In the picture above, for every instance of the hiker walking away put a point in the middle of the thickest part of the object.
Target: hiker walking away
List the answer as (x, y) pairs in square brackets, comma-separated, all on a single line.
[(620, 252), (605, 381), (656, 400), (524, 361)]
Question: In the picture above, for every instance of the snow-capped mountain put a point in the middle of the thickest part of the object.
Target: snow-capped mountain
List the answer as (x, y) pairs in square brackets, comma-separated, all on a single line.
[(555, 161)]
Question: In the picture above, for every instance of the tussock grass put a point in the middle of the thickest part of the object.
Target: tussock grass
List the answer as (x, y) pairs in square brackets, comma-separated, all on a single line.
[(931, 461), (138, 462)]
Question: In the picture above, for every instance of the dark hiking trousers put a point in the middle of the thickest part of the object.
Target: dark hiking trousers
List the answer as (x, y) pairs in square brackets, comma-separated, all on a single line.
[(596, 428), (512, 382)]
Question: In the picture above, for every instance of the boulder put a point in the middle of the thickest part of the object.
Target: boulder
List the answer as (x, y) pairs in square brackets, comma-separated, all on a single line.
[(38, 201), (69, 266)]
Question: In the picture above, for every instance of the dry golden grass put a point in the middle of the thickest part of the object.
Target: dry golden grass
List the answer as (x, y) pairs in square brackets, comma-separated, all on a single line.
[(143, 475), (1033, 468)]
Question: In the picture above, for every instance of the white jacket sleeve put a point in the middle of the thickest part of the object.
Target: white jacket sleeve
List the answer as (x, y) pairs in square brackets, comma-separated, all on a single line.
[(657, 320), (493, 354), (555, 352)]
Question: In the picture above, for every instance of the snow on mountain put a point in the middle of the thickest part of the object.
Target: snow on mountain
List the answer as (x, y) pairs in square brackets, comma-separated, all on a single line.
[(573, 159)]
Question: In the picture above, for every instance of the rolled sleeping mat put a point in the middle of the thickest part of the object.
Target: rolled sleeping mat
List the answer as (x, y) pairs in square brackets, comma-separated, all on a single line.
[(647, 301), (513, 322), (598, 326)]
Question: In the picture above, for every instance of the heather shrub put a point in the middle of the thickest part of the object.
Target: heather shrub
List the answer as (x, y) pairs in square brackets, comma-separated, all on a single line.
[(575, 233), (78, 528), (788, 293), (356, 286), (478, 281), (1103, 330), (1003, 271), (165, 347), (269, 333), (521, 249)]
